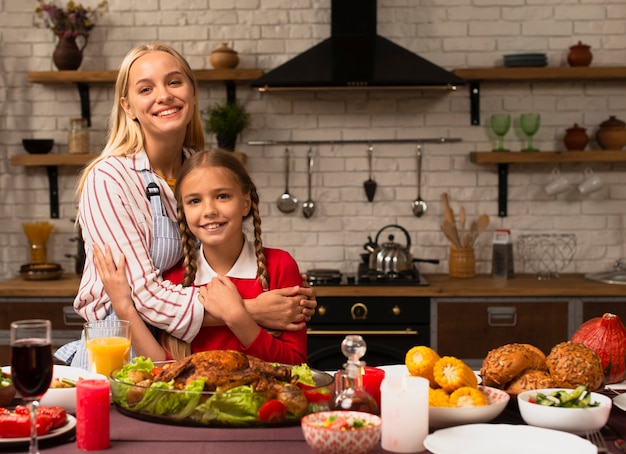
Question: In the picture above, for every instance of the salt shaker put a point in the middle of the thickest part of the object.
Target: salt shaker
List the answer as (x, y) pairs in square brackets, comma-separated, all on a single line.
[(502, 257)]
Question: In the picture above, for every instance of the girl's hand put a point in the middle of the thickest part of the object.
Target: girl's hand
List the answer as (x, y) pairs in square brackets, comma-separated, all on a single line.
[(114, 280), (221, 299)]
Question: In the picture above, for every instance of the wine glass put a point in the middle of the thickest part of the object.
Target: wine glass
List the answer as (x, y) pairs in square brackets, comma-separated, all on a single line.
[(31, 366), (500, 124), (529, 122)]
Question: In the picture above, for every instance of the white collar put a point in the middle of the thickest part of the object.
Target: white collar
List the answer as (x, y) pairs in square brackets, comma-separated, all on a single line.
[(244, 268)]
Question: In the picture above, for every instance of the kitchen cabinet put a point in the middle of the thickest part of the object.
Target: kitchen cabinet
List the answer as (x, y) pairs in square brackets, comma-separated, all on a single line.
[(66, 324), (469, 327), (595, 307), (503, 159)]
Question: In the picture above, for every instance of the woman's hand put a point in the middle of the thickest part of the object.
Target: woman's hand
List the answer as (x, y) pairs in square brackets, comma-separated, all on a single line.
[(115, 282), (285, 309)]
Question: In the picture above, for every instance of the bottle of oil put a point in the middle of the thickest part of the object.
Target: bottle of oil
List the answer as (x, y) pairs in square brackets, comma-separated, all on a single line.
[(349, 391)]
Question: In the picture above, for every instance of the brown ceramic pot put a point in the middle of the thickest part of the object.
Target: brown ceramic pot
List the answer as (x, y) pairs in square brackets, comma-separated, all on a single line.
[(224, 57), (575, 138), (612, 134), (579, 55)]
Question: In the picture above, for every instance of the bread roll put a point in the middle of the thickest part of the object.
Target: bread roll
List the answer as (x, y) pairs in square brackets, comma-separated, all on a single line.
[(530, 379), (503, 364), (572, 364)]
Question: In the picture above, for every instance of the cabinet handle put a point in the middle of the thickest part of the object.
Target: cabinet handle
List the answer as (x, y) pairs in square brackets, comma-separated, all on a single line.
[(499, 316), (71, 318), (343, 332)]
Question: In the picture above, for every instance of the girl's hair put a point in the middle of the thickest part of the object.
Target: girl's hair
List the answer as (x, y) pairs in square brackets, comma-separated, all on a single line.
[(125, 137), (225, 160)]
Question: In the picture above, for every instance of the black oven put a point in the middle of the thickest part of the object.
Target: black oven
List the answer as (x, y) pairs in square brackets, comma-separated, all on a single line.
[(389, 325)]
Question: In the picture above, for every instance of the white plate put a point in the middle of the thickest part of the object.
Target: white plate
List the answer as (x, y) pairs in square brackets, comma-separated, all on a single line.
[(17, 442), (620, 401), (505, 438), (621, 386)]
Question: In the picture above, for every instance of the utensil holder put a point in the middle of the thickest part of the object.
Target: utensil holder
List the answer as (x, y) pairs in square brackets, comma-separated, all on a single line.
[(462, 263)]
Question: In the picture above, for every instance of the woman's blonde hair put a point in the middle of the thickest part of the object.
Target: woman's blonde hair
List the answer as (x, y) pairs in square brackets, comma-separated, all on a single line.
[(125, 137)]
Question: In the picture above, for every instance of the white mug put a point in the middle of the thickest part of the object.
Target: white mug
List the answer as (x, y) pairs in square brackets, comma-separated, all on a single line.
[(591, 183), (558, 184)]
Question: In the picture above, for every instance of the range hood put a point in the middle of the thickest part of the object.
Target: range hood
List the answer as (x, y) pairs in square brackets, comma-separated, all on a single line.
[(356, 57)]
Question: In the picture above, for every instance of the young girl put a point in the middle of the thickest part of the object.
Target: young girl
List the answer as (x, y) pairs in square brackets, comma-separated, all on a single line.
[(215, 194), (127, 203)]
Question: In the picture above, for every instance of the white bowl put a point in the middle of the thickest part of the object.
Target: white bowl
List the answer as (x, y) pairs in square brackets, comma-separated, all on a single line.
[(324, 440), (439, 417), (64, 397), (574, 420)]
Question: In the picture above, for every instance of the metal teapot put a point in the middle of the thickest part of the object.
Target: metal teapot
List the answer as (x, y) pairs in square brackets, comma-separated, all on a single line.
[(392, 258)]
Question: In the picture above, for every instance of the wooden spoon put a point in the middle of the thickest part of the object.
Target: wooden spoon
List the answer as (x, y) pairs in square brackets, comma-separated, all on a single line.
[(449, 215), (449, 230)]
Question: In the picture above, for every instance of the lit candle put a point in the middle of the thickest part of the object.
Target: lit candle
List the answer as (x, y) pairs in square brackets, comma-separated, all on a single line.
[(404, 402), (92, 415)]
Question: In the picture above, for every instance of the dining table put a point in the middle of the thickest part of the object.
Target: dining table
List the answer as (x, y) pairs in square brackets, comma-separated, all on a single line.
[(130, 434)]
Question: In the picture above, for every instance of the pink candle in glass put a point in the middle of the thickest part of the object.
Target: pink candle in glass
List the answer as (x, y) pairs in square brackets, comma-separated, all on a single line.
[(92, 415), (372, 378)]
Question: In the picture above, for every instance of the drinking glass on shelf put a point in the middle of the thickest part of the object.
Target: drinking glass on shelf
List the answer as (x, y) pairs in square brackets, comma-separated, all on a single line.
[(529, 122), (500, 125), (31, 366)]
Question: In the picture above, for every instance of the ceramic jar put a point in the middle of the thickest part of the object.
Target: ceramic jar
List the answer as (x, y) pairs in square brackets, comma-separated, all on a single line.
[(224, 57), (611, 134), (579, 55), (575, 138)]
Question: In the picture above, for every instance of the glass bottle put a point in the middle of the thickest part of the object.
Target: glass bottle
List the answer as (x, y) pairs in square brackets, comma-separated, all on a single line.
[(349, 391), (78, 139)]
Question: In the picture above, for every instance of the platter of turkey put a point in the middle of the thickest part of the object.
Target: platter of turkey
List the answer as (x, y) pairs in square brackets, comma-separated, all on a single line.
[(219, 388)]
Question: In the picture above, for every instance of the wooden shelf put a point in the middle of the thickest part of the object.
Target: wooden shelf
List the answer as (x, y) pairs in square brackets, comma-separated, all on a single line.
[(202, 75), (41, 160), (545, 73), (506, 74), (503, 159), (491, 157)]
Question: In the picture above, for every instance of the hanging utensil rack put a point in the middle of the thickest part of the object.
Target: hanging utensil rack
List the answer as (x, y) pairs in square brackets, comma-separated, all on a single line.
[(353, 141)]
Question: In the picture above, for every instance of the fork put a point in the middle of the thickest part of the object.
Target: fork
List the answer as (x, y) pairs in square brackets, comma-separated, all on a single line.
[(598, 440)]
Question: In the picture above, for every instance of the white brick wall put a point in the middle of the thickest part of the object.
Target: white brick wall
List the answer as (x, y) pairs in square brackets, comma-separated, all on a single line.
[(457, 33)]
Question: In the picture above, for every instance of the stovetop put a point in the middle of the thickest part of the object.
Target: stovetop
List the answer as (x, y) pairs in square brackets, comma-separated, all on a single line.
[(367, 277)]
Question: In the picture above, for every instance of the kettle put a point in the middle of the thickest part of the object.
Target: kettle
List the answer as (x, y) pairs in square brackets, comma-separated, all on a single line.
[(392, 258)]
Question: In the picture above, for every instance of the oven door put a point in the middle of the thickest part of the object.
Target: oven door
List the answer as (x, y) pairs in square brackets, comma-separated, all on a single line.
[(389, 326)]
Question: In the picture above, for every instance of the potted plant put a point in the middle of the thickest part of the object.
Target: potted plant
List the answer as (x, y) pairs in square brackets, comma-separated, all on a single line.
[(226, 120), (67, 24)]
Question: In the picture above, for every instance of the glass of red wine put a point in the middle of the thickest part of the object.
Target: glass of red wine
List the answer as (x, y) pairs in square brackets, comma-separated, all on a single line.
[(31, 366)]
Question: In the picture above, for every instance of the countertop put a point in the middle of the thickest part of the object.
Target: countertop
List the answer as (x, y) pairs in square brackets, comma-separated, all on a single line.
[(523, 285)]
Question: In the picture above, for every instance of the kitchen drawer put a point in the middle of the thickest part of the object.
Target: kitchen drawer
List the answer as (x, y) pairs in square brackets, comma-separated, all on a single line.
[(366, 311), (469, 328), (595, 308)]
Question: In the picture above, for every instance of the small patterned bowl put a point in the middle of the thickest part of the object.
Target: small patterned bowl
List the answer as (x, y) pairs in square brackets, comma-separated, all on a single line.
[(325, 440)]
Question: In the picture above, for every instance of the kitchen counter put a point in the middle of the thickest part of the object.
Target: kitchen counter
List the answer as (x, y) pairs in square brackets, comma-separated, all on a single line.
[(523, 285)]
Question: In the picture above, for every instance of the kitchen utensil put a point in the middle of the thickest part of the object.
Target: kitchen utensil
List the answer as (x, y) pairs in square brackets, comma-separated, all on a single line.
[(462, 219), (451, 234), (393, 258), (308, 207), (419, 205), (287, 203), (449, 215), (370, 184)]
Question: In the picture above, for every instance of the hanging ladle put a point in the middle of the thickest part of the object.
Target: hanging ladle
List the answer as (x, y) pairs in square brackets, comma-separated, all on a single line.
[(308, 207), (419, 205), (286, 202), (370, 184)]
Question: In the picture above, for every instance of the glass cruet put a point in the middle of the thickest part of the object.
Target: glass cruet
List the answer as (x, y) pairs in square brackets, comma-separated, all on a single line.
[(349, 391)]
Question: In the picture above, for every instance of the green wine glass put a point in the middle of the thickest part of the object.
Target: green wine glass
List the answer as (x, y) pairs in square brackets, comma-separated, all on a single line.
[(529, 122), (500, 125)]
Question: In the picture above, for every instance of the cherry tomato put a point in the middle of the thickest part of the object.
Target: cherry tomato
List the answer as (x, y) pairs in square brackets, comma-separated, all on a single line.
[(272, 412), (313, 395)]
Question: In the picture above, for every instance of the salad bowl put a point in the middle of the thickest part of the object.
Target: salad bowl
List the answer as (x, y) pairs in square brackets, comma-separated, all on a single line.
[(240, 406)]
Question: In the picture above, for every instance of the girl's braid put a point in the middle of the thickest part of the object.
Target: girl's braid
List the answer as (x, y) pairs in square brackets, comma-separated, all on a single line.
[(258, 242), (190, 262)]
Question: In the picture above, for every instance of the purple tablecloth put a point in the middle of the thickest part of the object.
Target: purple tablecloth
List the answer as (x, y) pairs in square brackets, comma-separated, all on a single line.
[(146, 437)]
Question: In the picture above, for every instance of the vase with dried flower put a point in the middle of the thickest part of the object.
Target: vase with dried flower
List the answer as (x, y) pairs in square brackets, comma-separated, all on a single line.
[(68, 24)]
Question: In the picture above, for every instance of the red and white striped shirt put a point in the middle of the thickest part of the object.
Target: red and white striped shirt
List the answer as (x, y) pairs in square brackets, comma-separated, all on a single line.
[(114, 210)]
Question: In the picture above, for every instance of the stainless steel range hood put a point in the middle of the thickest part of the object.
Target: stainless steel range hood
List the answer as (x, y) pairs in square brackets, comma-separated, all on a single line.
[(356, 57)]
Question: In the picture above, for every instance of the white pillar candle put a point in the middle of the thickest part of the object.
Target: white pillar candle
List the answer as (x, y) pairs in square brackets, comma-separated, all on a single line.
[(404, 411)]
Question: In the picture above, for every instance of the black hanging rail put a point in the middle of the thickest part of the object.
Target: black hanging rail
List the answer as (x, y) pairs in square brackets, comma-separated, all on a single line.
[(353, 141)]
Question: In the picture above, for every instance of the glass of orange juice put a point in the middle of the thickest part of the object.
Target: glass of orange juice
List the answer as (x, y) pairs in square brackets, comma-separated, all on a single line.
[(108, 345)]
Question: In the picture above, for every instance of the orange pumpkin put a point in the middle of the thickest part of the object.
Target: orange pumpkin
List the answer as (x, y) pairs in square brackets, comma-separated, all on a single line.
[(607, 336)]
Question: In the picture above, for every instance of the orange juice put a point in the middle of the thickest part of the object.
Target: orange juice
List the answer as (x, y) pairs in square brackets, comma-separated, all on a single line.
[(107, 353)]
